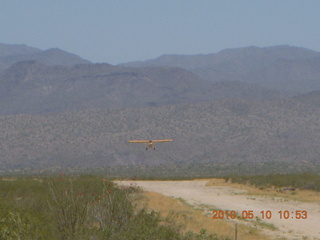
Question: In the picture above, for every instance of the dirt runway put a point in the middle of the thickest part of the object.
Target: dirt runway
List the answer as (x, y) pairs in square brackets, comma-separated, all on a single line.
[(234, 199)]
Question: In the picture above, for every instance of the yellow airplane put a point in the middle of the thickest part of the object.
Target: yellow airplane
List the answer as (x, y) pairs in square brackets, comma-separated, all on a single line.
[(150, 142)]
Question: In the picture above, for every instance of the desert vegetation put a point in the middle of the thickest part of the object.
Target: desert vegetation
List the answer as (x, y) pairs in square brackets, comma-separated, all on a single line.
[(218, 133), (83, 207), (305, 181)]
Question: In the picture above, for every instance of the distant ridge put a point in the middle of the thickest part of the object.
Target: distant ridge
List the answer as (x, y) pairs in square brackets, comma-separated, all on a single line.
[(11, 54), (32, 87), (284, 67), (16, 49)]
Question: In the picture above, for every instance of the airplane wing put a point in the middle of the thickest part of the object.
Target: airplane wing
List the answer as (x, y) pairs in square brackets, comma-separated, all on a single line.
[(139, 141), (162, 140)]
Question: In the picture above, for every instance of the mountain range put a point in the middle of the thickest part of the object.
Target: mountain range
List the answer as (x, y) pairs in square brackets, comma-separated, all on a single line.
[(31, 87), (250, 105), (285, 68), (13, 53)]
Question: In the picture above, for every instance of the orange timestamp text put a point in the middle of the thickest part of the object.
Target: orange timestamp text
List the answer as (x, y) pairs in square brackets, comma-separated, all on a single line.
[(265, 214)]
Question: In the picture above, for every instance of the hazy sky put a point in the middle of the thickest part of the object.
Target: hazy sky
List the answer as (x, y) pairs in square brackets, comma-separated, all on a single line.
[(116, 31)]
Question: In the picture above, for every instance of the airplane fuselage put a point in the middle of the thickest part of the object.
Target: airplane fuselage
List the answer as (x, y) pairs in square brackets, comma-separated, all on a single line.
[(150, 142)]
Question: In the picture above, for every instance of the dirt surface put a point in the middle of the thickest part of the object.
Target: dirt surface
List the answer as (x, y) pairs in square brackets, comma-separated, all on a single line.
[(234, 199)]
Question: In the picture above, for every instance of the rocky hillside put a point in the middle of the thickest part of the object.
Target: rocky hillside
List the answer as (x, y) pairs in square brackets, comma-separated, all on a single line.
[(225, 131)]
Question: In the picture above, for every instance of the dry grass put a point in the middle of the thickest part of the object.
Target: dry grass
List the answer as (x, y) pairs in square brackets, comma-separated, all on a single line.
[(297, 195), (194, 219)]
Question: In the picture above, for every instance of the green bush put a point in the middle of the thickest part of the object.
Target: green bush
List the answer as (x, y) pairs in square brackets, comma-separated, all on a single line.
[(85, 207), (12, 227)]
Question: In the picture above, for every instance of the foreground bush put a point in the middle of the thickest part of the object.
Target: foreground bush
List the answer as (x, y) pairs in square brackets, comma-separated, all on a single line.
[(88, 207)]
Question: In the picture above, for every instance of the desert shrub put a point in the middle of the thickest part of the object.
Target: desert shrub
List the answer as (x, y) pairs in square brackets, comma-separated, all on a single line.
[(305, 180), (23, 211), (85, 207), (12, 227)]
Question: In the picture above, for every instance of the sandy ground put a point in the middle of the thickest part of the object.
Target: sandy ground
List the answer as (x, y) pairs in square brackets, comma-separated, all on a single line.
[(227, 198)]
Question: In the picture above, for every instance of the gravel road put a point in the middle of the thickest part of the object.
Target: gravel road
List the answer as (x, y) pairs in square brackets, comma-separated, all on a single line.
[(233, 199)]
